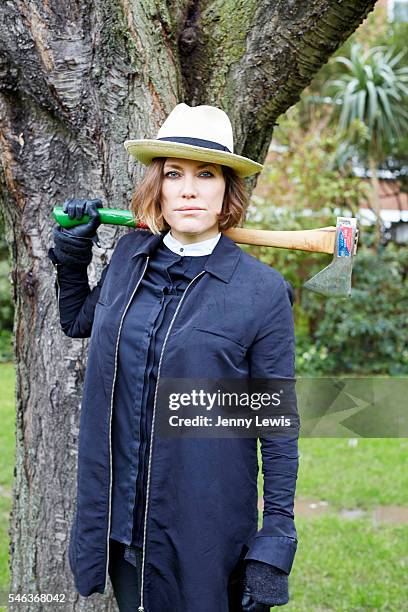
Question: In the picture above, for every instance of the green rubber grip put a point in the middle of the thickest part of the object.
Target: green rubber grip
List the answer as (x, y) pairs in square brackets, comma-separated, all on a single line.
[(112, 216)]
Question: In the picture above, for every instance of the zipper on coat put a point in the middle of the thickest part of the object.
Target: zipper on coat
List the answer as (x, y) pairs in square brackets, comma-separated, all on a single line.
[(110, 421), (141, 607)]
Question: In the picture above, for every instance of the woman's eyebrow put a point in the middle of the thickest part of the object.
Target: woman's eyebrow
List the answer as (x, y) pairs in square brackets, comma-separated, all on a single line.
[(171, 165)]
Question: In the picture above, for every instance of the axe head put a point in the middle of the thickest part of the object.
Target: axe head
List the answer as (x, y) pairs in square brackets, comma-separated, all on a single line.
[(335, 279)]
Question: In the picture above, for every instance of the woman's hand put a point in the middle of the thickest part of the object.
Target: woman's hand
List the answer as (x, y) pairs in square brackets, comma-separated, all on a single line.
[(76, 209), (264, 586), (73, 246)]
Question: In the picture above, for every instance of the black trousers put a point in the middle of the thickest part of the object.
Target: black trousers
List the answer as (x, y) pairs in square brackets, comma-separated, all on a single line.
[(125, 578), (126, 581)]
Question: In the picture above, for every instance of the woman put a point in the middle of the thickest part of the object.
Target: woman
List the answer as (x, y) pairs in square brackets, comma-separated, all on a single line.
[(173, 520)]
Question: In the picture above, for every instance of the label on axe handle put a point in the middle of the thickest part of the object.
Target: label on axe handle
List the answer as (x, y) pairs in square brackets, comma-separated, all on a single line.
[(345, 230)]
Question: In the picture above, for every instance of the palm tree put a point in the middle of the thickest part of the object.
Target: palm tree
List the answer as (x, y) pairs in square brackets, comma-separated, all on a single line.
[(368, 101)]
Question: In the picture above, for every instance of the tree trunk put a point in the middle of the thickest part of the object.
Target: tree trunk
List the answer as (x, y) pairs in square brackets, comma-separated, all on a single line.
[(77, 78)]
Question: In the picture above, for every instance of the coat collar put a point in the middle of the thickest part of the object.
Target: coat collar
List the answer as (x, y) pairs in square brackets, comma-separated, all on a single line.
[(221, 262)]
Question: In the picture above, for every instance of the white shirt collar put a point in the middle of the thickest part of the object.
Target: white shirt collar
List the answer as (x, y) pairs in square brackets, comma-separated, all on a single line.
[(205, 247)]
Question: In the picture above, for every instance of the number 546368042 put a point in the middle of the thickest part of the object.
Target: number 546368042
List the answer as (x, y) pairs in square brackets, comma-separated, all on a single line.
[(36, 597)]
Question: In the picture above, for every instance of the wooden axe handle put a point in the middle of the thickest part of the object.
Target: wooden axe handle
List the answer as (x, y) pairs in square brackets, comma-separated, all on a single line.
[(319, 240)]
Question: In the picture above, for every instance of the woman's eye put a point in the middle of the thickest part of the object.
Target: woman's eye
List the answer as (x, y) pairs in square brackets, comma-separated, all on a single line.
[(172, 172)]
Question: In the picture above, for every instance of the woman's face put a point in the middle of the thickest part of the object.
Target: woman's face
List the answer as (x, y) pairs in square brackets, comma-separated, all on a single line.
[(191, 197)]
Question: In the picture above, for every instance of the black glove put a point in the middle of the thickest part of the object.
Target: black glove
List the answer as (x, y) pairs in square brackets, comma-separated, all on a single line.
[(76, 209), (249, 605), (73, 247), (264, 586)]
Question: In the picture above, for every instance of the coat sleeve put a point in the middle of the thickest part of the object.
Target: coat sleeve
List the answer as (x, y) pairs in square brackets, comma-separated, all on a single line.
[(76, 301), (272, 355)]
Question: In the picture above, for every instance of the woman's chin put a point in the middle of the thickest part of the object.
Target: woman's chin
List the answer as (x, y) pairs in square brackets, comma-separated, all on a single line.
[(190, 226)]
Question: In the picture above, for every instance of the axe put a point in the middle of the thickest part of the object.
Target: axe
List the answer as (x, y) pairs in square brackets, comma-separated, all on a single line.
[(339, 240)]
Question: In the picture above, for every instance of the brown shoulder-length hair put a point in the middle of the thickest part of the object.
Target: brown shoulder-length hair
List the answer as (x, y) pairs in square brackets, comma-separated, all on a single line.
[(146, 206)]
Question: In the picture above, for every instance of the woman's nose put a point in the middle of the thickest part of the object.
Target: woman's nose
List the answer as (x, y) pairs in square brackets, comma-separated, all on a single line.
[(189, 189)]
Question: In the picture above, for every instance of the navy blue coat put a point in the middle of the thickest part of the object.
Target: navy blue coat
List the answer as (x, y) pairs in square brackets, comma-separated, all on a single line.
[(233, 321)]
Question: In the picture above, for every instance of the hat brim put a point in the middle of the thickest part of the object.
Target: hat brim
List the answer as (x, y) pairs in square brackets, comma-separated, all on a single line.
[(146, 150)]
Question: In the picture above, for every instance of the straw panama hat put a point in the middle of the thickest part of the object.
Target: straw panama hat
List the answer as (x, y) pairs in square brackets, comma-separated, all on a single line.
[(202, 133)]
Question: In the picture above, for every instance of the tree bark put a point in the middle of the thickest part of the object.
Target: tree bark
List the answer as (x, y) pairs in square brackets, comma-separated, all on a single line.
[(77, 78)]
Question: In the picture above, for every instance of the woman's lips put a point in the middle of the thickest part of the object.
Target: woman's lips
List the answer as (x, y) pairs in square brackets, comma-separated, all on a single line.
[(190, 210)]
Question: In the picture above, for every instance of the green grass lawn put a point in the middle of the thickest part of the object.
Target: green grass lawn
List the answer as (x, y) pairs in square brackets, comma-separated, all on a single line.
[(340, 564), (370, 474)]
